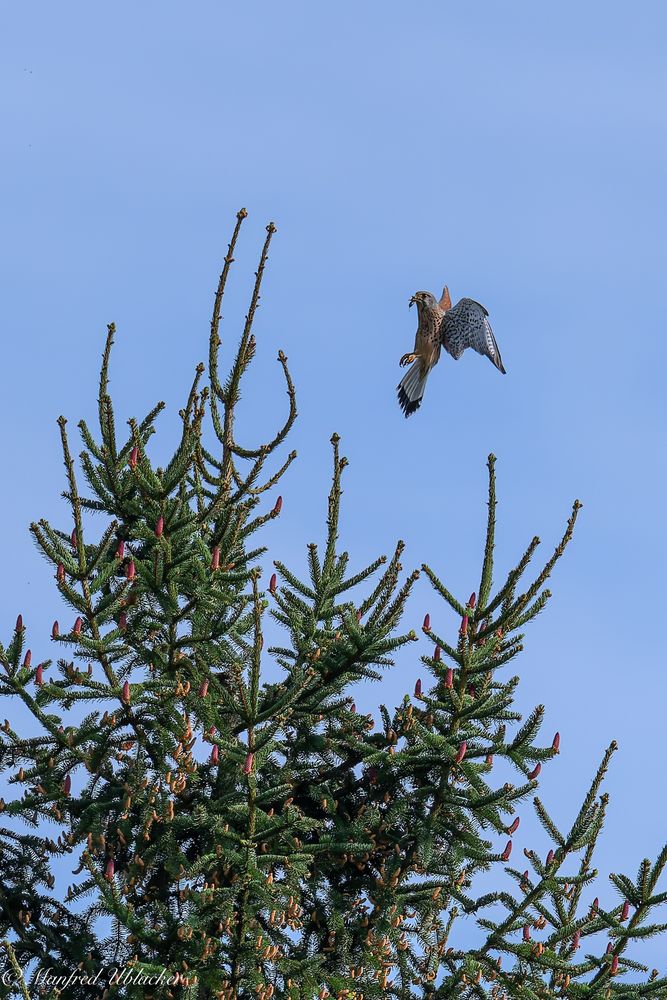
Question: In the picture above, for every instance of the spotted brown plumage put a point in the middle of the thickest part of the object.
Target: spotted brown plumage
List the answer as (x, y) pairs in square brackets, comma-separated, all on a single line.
[(442, 325)]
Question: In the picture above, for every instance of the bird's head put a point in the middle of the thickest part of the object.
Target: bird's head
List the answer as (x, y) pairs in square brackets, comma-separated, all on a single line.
[(427, 301), (424, 300)]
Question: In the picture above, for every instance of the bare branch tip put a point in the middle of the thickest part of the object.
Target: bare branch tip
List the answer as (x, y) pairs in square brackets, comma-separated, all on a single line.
[(242, 214)]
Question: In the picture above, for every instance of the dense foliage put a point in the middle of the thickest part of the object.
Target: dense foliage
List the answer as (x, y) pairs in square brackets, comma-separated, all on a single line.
[(260, 838)]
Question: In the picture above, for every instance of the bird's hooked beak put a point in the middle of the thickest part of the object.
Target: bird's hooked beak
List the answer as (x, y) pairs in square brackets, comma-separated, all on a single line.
[(412, 301)]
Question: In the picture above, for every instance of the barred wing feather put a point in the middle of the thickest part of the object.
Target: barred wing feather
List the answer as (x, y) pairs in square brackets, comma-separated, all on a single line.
[(467, 325)]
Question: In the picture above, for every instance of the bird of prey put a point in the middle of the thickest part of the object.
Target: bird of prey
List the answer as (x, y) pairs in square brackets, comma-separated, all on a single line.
[(442, 325)]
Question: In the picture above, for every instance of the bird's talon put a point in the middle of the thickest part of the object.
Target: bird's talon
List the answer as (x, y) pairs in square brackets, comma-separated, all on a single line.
[(407, 359)]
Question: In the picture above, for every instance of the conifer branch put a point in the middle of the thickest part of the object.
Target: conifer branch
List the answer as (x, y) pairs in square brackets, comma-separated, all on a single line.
[(237, 818), (16, 968)]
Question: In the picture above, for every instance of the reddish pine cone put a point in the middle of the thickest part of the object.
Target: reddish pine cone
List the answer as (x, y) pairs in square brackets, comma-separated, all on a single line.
[(120, 551), (67, 785), (122, 621), (625, 911), (472, 600), (27, 658), (159, 527), (249, 763), (203, 689), (131, 570), (418, 688), (550, 857), (575, 939), (536, 770), (449, 678), (60, 573), (353, 708), (77, 626), (273, 583), (514, 826), (461, 752), (215, 558), (19, 623), (614, 965), (426, 626), (211, 731), (436, 654), (278, 507), (73, 537), (464, 626), (55, 631), (126, 695), (134, 457), (39, 675), (608, 949), (109, 870), (359, 616), (526, 932), (489, 759), (556, 743), (505, 856), (215, 754)]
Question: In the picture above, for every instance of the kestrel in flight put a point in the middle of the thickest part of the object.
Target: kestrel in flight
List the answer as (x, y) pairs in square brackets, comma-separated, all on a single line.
[(442, 325)]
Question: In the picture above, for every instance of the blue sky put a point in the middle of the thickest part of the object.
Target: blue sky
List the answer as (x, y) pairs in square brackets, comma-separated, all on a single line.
[(515, 151)]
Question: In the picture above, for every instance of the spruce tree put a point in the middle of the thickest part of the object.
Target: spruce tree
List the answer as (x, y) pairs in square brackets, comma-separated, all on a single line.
[(246, 834)]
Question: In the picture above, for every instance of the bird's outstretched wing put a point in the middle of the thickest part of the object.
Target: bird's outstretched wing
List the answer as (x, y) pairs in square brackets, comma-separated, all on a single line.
[(467, 325)]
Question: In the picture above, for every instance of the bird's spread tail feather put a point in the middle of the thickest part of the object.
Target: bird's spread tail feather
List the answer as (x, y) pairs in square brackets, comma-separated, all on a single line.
[(411, 388)]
